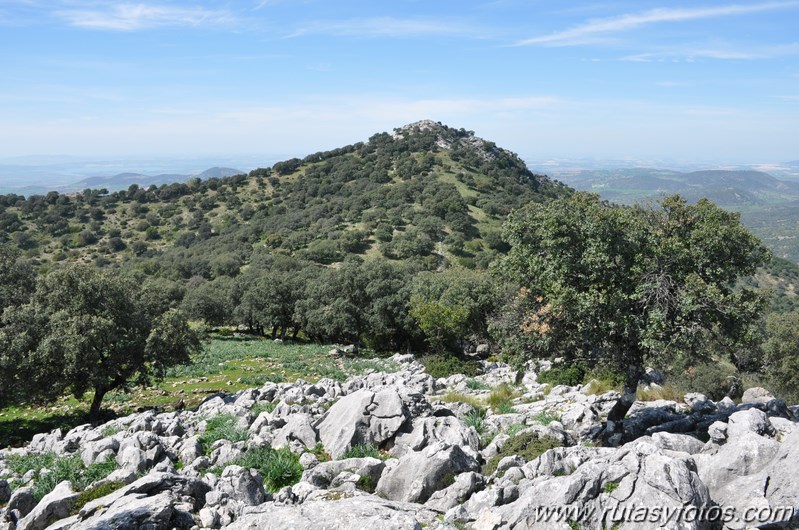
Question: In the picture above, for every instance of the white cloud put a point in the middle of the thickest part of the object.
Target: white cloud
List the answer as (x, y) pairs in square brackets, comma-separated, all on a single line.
[(384, 27), (130, 17), (690, 53), (594, 29)]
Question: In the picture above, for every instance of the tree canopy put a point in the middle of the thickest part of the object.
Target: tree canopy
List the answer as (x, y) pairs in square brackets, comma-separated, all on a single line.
[(86, 330), (621, 285)]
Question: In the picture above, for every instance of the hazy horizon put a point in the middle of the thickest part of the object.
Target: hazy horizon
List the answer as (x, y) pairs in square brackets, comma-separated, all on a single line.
[(169, 78)]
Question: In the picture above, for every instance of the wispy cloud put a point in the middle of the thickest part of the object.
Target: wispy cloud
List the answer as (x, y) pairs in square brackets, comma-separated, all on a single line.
[(692, 53), (598, 28), (384, 27), (130, 17)]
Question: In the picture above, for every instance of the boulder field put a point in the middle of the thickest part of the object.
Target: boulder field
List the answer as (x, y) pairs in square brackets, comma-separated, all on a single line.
[(403, 450)]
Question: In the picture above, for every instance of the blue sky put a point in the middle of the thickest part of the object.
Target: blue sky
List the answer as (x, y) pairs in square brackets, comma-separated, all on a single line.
[(688, 80)]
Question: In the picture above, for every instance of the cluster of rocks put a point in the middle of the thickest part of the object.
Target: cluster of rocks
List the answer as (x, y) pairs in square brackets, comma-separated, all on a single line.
[(432, 470)]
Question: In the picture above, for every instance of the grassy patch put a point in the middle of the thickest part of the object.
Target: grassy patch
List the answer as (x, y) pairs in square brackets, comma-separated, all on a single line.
[(610, 487), (545, 418), (501, 399), (515, 429), (60, 468), (221, 427), (96, 492), (527, 445), (476, 419), (364, 451), (226, 364), (278, 467), (668, 392), (263, 406), (458, 397), (474, 384)]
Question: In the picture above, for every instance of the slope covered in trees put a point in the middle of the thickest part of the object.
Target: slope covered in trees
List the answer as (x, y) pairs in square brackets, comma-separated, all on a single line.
[(426, 193)]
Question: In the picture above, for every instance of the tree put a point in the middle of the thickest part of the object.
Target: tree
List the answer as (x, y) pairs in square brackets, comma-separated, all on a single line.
[(86, 330), (622, 286), (356, 301), (17, 278), (781, 351), (453, 306)]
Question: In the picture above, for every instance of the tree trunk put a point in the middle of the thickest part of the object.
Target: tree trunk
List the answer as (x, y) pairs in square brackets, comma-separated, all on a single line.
[(94, 411), (614, 431), (295, 332), (274, 332)]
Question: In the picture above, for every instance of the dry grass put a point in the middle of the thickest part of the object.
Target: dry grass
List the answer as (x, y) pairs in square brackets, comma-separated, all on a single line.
[(669, 392)]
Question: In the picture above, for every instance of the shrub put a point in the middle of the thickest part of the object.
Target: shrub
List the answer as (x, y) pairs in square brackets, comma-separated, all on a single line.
[(476, 419), (712, 379), (447, 365), (278, 467), (569, 375), (527, 445), (221, 427)]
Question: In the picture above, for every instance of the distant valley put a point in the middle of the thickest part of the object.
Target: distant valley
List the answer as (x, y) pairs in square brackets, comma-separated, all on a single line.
[(769, 206)]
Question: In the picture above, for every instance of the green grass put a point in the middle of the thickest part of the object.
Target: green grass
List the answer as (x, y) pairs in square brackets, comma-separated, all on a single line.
[(226, 364), (96, 492), (610, 487), (545, 418), (221, 427), (476, 419), (458, 397), (364, 451), (263, 406), (528, 445), (60, 468), (501, 399), (278, 467), (474, 384), (515, 429)]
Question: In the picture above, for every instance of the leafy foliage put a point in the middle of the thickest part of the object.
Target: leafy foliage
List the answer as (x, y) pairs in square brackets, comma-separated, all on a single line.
[(626, 285), (528, 445), (89, 330), (278, 467)]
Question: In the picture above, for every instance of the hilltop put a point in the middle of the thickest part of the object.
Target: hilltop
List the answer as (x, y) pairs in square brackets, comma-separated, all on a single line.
[(425, 191)]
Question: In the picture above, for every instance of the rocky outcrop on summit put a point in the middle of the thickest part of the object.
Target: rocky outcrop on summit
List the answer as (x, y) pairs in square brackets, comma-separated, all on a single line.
[(419, 461)]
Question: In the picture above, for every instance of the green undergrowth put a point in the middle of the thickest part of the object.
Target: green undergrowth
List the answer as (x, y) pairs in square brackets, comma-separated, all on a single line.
[(96, 492), (528, 445), (442, 365), (364, 451), (221, 427), (278, 467), (226, 364), (60, 468)]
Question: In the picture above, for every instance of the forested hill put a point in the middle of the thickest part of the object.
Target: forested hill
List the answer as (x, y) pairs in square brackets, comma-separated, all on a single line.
[(426, 192)]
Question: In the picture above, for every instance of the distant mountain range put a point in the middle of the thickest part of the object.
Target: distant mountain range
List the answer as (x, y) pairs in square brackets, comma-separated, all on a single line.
[(769, 206), (731, 188), (124, 181)]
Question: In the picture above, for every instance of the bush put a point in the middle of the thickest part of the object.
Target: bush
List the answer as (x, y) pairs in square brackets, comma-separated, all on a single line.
[(526, 445), (278, 467), (476, 419), (221, 427), (569, 375), (447, 365), (715, 379)]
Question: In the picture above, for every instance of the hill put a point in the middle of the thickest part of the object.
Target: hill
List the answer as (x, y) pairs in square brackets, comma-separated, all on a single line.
[(426, 192)]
